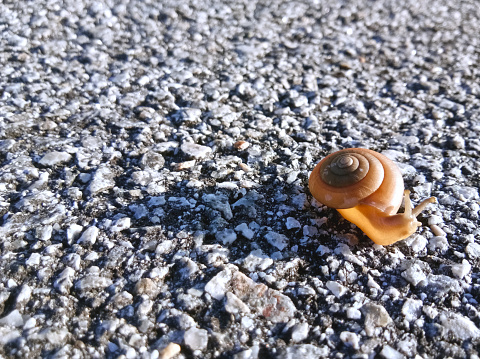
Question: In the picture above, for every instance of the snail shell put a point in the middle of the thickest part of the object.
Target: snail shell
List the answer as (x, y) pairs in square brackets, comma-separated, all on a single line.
[(352, 176), (367, 189)]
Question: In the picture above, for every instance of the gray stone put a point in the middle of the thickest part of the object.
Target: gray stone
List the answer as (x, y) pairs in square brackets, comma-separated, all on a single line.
[(227, 236), (337, 289), (473, 250), (152, 160), (220, 203), (92, 282), (64, 281), (257, 261), (267, 302), (414, 274), (102, 180), (389, 353), (304, 351), (277, 240), (89, 236), (299, 332), (375, 316), (234, 305), (54, 158), (459, 326), (412, 308), (12, 319), (195, 151), (120, 224), (196, 339)]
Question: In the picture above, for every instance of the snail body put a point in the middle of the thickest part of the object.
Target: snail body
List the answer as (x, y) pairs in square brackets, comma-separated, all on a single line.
[(367, 189)]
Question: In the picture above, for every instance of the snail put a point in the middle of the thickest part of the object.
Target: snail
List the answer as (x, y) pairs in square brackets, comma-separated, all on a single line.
[(367, 189)]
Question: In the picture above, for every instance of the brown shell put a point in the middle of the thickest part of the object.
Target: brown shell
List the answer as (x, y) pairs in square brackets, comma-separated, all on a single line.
[(352, 176)]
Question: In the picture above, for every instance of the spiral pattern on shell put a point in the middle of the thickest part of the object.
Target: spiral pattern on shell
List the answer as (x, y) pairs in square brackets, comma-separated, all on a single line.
[(344, 178)]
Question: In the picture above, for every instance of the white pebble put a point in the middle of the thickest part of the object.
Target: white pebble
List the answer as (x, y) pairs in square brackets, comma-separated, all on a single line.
[(337, 289), (353, 313), (437, 231), (292, 223), (350, 339), (414, 274), (412, 308), (245, 231), (300, 332), (54, 158), (440, 243), (389, 353), (195, 151), (196, 339), (120, 224), (89, 236), (227, 236), (462, 269)]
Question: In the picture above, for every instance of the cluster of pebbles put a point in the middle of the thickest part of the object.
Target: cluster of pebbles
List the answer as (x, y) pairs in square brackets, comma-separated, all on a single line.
[(154, 161)]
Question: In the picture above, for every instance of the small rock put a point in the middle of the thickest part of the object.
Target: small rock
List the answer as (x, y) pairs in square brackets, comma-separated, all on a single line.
[(389, 353), (120, 225), (12, 319), (270, 303), (54, 158), (462, 269), (184, 165), (234, 305), (91, 282), (412, 309), (416, 242), (196, 339), (89, 236), (217, 286), (8, 335), (459, 326), (350, 339), (145, 286), (141, 178), (103, 179), (33, 260), (257, 261), (24, 295), (414, 274), (439, 285), (64, 281), (245, 231), (195, 151), (44, 233), (304, 351), (292, 223), (337, 289), (152, 160), (251, 353), (73, 232), (218, 202), (375, 316), (473, 250), (353, 313), (299, 332), (438, 242), (241, 145), (227, 236), (277, 240), (169, 351)]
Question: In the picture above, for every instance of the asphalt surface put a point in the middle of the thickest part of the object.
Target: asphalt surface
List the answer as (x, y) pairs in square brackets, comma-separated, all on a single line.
[(154, 163)]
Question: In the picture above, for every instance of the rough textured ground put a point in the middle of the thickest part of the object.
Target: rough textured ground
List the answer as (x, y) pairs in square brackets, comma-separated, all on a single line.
[(133, 220)]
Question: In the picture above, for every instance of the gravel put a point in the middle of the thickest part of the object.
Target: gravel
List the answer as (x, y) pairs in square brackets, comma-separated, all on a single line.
[(154, 178)]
